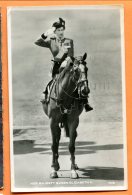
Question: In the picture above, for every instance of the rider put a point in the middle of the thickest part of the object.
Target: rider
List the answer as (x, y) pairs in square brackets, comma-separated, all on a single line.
[(60, 47)]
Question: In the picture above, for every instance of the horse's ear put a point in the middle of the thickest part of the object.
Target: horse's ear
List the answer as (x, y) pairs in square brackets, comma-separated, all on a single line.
[(84, 56)]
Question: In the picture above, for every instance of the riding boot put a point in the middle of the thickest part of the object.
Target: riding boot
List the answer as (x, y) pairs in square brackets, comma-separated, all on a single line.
[(87, 106)]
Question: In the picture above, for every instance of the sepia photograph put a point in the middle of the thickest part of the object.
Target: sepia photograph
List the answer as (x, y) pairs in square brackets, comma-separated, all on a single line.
[(67, 100)]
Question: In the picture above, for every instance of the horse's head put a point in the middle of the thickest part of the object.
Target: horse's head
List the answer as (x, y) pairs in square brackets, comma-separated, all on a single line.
[(80, 74), (76, 71)]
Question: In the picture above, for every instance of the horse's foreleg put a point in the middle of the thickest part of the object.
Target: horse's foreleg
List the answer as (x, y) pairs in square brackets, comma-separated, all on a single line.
[(56, 132), (58, 135), (73, 134)]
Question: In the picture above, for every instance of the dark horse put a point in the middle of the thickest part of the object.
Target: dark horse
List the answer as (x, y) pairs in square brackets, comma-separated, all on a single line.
[(64, 107)]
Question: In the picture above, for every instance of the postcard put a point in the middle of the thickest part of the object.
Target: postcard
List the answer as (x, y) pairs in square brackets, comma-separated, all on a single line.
[(67, 98)]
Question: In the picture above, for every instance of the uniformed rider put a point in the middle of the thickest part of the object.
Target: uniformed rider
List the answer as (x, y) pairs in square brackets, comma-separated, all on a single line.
[(61, 48)]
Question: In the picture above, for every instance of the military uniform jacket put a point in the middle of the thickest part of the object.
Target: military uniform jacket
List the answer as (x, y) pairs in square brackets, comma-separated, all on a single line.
[(56, 46)]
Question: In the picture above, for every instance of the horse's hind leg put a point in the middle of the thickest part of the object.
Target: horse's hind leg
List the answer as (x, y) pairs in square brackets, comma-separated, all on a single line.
[(56, 132), (73, 134)]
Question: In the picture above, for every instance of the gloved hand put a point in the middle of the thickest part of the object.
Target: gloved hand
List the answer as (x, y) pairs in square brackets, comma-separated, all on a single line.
[(50, 33)]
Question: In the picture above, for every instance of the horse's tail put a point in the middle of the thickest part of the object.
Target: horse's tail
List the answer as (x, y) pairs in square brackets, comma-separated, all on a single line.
[(65, 125)]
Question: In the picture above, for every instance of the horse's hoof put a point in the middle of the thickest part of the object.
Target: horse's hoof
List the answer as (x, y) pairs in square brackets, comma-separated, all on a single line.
[(74, 175), (53, 175)]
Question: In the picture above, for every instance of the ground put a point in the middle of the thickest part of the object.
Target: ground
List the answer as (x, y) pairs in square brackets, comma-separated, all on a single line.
[(99, 156)]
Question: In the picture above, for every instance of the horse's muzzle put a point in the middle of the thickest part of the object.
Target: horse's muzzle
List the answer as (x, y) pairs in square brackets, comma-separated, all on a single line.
[(84, 89)]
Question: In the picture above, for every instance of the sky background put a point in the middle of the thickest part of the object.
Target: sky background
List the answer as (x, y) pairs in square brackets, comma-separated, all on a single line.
[(95, 31)]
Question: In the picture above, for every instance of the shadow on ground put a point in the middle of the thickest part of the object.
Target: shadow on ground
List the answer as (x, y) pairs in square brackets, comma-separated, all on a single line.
[(26, 146), (103, 173), (29, 146)]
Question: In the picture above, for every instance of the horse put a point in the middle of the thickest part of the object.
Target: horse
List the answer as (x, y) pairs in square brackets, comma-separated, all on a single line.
[(64, 107)]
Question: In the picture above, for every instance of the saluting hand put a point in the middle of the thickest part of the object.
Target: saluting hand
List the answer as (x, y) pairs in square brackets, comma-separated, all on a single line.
[(50, 33)]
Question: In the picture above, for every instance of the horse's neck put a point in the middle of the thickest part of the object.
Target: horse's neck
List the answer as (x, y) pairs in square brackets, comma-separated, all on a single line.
[(66, 87)]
